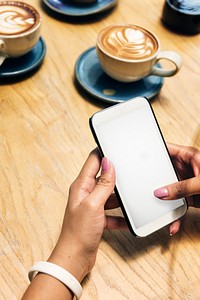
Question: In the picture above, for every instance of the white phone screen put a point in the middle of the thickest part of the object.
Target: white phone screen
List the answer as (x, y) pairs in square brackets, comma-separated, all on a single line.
[(131, 139)]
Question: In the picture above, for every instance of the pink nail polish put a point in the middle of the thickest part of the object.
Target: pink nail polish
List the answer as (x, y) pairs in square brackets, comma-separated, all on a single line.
[(105, 164), (161, 193)]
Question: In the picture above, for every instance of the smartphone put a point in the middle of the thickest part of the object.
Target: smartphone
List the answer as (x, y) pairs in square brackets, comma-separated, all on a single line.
[(128, 134)]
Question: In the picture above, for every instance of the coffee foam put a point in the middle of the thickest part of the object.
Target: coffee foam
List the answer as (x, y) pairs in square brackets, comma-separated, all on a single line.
[(17, 18), (127, 42)]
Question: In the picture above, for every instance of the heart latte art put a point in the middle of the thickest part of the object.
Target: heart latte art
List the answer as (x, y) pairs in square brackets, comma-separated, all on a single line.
[(16, 18), (127, 42)]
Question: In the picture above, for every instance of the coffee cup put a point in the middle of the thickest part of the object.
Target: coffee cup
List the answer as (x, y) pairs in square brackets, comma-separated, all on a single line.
[(19, 28), (129, 53)]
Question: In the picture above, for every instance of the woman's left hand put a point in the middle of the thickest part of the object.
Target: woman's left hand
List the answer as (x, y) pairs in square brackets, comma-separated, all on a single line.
[(85, 217)]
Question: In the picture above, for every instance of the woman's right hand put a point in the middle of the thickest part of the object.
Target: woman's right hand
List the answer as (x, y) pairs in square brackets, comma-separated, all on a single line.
[(187, 163)]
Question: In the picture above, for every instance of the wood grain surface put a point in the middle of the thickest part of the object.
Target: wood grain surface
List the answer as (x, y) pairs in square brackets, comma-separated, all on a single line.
[(45, 139)]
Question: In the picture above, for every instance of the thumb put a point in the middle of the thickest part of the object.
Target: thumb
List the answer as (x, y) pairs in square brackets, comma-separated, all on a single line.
[(179, 189), (105, 184)]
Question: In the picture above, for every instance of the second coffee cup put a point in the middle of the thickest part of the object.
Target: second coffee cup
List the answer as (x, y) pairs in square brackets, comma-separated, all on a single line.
[(20, 25), (129, 53)]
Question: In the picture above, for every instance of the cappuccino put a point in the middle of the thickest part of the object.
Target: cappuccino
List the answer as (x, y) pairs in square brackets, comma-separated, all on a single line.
[(129, 53), (128, 42), (17, 17), (19, 29)]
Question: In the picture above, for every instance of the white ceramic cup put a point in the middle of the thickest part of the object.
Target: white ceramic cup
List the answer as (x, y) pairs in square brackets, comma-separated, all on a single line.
[(129, 53), (20, 25)]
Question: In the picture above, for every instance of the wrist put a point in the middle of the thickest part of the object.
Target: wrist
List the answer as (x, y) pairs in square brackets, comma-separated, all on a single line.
[(60, 274), (71, 259)]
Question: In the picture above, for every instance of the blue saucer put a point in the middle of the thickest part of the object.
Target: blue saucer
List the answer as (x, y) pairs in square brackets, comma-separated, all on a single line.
[(70, 9), (94, 80), (13, 67)]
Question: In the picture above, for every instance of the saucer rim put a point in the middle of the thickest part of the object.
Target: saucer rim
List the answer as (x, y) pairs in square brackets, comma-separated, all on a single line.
[(84, 13), (29, 68), (97, 95)]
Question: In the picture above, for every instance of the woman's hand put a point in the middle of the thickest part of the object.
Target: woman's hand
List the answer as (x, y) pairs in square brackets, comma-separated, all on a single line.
[(85, 217), (82, 229), (187, 163)]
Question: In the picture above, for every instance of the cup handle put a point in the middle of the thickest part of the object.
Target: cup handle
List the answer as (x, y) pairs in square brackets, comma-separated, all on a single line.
[(171, 56), (2, 58)]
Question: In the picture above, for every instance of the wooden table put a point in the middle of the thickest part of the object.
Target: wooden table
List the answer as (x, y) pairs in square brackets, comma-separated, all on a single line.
[(44, 140)]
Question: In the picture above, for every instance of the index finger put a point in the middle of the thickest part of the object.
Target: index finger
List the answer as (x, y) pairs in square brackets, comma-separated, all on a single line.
[(179, 189), (173, 149)]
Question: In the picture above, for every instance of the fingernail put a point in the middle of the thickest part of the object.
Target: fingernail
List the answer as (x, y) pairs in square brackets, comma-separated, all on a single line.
[(105, 164), (161, 193)]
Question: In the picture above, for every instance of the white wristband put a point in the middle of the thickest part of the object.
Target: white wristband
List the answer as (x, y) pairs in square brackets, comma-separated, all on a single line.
[(59, 273)]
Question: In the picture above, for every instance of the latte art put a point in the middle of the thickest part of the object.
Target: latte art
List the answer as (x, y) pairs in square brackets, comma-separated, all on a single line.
[(16, 18), (128, 42)]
